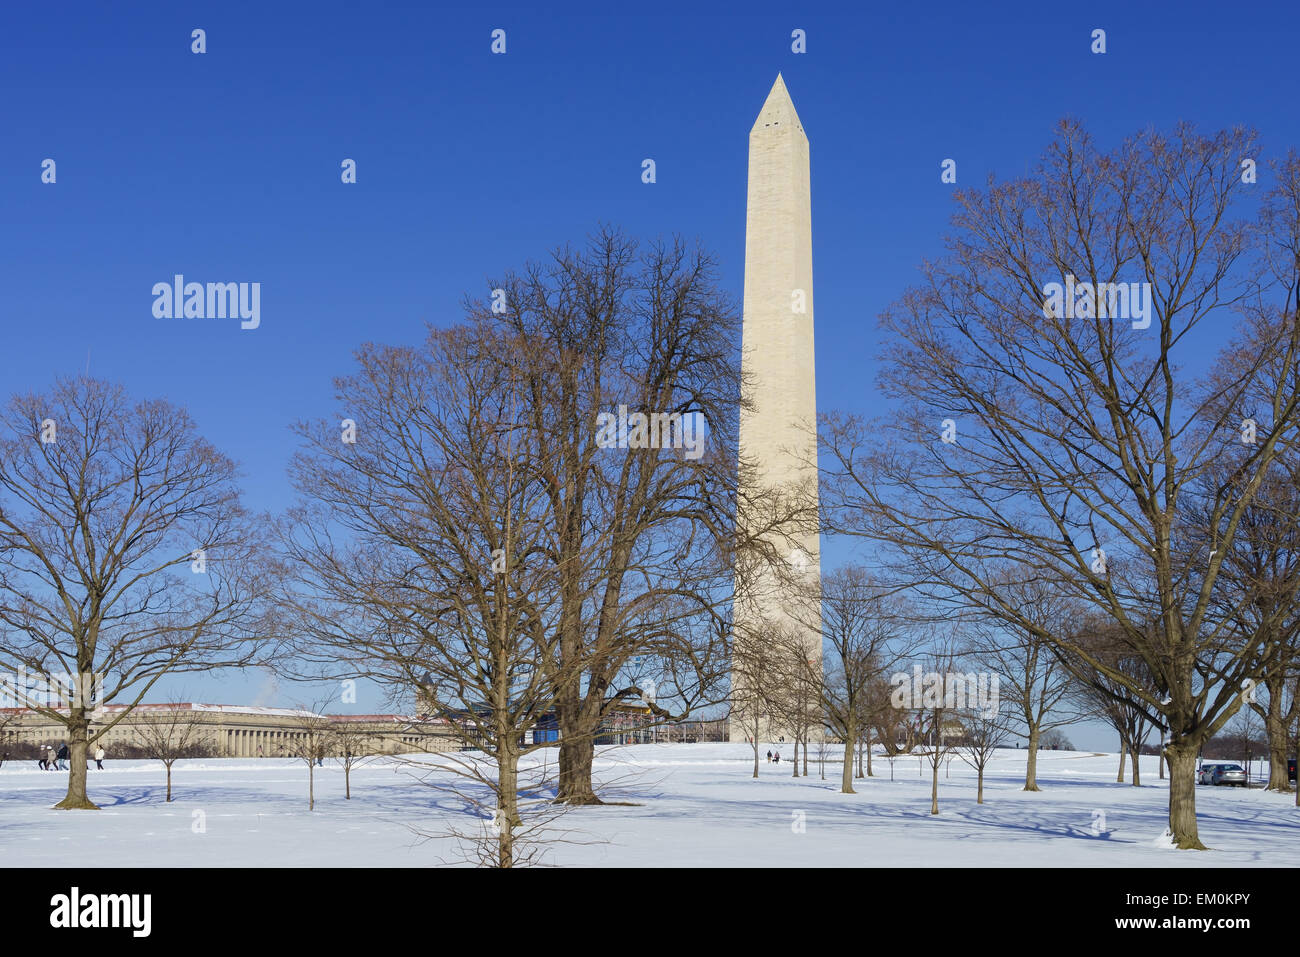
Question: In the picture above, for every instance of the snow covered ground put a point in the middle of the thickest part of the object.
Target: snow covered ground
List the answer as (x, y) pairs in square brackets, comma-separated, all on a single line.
[(695, 805)]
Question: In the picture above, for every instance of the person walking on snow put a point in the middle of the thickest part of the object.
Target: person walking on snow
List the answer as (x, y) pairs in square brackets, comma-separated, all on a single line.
[(769, 756), (61, 757), (99, 757)]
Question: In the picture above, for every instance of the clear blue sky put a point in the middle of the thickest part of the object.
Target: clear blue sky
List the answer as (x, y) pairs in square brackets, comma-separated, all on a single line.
[(225, 166)]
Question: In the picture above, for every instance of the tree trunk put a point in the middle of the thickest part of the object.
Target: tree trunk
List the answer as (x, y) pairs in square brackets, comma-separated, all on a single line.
[(577, 754), (1182, 797), (507, 806), (311, 784), (891, 766), (795, 763), (169, 782), (756, 746), (1031, 766), (347, 782), (1123, 759), (805, 755), (979, 799), (578, 725), (934, 788), (76, 798), (846, 780), (1162, 757), (1134, 753), (1275, 728)]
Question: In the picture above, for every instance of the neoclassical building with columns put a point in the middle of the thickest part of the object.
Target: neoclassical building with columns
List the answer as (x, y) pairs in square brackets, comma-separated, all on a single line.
[(244, 731)]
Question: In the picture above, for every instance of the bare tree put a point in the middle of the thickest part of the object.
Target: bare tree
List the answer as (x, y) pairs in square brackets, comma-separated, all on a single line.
[(794, 688), (937, 718), (879, 722), (934, 696), (7, 734), (630, 342), (1033, 681), (354, 744), (423, 551), (1244, 738), (864, 637), (757, 687), (1260, 592), (1280, 713), (1100, 694), (1295, 749), (823, 749), (124, 555), (474, 780), (1076, 428), (311, 740), (983, 733), (896, 728), (169, 733), (1057, 740)]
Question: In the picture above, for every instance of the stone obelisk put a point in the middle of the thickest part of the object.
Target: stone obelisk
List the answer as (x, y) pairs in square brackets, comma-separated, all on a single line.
[(778, 424)]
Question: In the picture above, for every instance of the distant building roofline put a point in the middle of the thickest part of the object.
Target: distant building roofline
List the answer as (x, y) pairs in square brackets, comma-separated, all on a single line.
[(114, 709)]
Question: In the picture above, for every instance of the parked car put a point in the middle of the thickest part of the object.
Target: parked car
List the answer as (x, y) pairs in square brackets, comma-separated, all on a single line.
[(1228, 774), (1206, 769), (1203, 773)]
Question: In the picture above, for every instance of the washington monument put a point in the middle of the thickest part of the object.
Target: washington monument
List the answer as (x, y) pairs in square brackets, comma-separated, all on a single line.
[(778, 442)]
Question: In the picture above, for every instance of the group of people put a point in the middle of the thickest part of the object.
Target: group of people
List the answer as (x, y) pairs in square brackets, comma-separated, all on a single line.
[(775, 758), (51, 760)]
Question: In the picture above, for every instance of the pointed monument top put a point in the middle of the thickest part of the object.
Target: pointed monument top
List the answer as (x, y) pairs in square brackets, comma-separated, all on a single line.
[(778, 110)]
